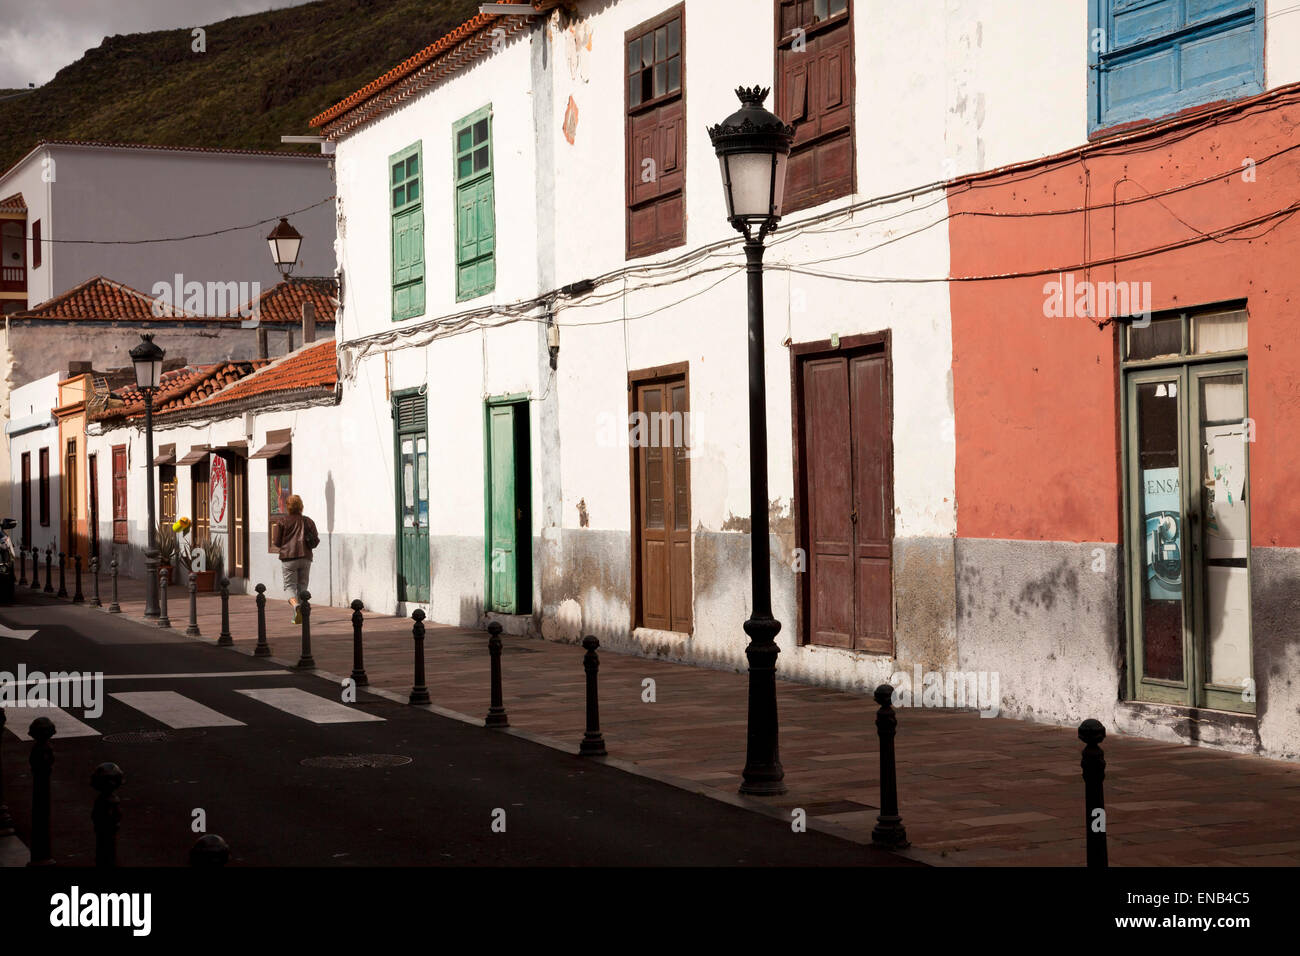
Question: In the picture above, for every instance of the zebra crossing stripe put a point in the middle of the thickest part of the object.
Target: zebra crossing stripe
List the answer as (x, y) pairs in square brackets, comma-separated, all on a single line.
[(175, 710), (65, 725), (299, 703)]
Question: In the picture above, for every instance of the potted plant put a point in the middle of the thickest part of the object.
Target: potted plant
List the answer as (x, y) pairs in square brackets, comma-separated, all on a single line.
[(167, 550), (214, 555), (185, 548)]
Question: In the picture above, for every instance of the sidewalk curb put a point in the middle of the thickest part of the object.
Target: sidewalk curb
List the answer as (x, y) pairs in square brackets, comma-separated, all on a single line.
[(927, 857)]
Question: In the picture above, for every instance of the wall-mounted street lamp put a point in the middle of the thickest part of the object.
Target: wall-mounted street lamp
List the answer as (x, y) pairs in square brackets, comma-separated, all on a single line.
[(753, 146), (284, 241), (148, 361)]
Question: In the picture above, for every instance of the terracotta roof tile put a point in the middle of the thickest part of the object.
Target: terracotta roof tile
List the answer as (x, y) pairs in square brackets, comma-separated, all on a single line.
[(13, 203), (312, 367), (101, 298), (282, 303), (441, 48), (182, 388)]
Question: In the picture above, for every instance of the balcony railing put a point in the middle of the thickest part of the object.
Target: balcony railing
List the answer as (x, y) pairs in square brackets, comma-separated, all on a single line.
[(13, 278)]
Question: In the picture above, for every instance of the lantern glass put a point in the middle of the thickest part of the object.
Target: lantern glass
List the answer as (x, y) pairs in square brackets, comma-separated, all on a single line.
[(748, 180), (284, 251), (148, 361)]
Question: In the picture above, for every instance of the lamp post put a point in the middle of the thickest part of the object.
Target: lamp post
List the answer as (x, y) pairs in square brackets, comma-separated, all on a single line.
[(148, 360), (753, 146), (284, 241)]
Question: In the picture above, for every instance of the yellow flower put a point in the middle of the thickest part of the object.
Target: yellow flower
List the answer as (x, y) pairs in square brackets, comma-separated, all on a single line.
[(181, 524)]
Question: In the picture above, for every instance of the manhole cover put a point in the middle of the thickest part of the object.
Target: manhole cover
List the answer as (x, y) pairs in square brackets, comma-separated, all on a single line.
[(356, 761), (152, 736)]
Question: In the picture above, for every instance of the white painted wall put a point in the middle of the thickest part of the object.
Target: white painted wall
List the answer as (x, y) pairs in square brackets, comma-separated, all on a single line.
[(30, 427)]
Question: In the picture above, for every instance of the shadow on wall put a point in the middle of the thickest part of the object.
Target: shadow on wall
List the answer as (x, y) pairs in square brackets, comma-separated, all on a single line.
[(329, 530), (471, 613)]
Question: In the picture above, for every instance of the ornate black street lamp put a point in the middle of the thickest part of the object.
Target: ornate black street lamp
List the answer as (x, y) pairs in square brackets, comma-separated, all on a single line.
[(753, 145), (148, 361), (284, 241)]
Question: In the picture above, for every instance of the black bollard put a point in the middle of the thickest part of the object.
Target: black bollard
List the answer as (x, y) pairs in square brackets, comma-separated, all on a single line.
[(107, 813), (889, 832), (63, 587), (36, 568), (77, 596), (49, 571), (42, 762), (358, 664), (419, 692), (6, 821), (22, 567), (114, 608), (306, 661), (224, 639), (94, 575), (496, 715), (1092, 733), (263, 649), (209, 850), (163, 574), (192, 630), (593, 741)]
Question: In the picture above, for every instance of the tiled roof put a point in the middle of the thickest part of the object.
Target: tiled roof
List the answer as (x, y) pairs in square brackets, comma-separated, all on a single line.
[(310, 368), (13, 203), (282, 303), (436, 60), (101, 298), (187, 387)]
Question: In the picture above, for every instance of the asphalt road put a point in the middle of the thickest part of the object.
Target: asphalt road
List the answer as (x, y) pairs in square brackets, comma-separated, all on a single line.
[(248, 779)]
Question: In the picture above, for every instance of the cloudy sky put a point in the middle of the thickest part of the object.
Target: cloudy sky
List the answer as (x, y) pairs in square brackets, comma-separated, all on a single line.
[(40, 37)]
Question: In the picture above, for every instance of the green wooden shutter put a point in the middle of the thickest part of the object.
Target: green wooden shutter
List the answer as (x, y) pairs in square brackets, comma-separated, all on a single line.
[(475, 211), (405, 177)]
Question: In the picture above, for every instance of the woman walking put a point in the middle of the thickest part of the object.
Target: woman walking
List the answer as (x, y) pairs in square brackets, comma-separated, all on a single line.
[(295, 535)]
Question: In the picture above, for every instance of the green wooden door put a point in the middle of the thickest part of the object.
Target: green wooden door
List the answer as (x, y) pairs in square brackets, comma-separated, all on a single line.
[(412, 437), (508, 519)]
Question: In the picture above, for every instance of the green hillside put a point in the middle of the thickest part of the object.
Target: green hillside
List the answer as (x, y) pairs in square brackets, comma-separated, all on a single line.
[(263, 75)]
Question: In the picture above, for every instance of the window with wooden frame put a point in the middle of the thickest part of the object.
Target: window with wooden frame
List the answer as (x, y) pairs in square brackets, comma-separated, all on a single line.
[(279, 486), (200, 492), (406, 211), (814, 92), (167, 493), (476, 228), (655, 96), (43, 486), (119, 495)]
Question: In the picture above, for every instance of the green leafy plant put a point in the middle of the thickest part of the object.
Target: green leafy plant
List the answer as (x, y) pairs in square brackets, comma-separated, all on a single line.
[(166, 543), (214, 555)]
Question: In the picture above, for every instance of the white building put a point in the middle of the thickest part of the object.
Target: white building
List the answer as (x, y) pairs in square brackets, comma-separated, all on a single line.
[(32, 442), (270, 433)]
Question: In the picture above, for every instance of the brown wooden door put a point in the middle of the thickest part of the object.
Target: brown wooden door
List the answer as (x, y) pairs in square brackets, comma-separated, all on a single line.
[(238, 516), (845, 450), (661, 453), (119, 494), (27, 501), (199, 484), (71, 513)]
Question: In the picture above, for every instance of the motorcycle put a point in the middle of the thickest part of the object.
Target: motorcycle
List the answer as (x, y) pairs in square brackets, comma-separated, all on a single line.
[(7, 557)]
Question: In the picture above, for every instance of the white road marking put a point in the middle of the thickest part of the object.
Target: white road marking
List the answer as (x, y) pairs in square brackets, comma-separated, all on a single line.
[(107, 677), (175, 710), (16, 635), (65, 725), (299, 703)]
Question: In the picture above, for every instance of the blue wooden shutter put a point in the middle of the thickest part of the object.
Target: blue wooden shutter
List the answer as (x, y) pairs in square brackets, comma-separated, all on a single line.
[(1163, 56)]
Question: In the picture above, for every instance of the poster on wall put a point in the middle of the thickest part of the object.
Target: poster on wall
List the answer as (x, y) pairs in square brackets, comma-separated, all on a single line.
[(1162, 532), (218, 496)]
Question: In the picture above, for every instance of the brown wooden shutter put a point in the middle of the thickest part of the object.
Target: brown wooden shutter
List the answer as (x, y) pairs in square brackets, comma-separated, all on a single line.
[(873, 517), (830, 502), (119, 494), (656, 143), (815, 92)]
